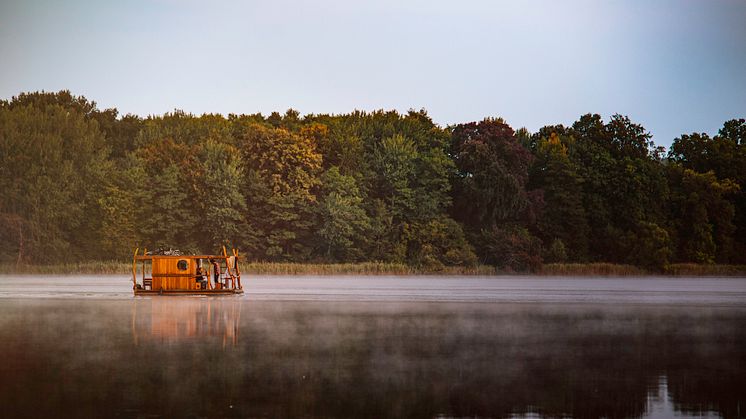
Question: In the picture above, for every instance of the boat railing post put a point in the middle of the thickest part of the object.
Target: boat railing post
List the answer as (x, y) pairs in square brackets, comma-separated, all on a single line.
[(238, 270), (230, 272), (134, 269), (228, 269)]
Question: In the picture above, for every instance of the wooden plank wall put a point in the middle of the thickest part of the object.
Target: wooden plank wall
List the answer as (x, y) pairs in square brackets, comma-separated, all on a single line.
[(166, 266)]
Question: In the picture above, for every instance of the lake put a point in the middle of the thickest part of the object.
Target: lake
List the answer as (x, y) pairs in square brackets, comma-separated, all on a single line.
[(374, 347)]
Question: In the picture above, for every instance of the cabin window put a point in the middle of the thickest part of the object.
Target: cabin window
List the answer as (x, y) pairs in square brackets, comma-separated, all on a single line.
[(182, 265)]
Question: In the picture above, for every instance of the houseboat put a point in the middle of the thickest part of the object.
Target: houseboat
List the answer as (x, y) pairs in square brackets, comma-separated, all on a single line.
[(174, 274)]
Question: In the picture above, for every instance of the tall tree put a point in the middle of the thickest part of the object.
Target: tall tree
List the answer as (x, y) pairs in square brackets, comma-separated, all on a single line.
[(282, 172), (171, 222), (703, 215), (563, 217), (490, 196), (624, 186), (725, 156), (343, 223), (171, 217), (491, 173), (124, 205), (52, 165), (222, 205), (394, 161)]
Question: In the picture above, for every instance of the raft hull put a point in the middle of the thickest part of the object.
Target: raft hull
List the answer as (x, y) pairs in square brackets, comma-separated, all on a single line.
[(189, 292)]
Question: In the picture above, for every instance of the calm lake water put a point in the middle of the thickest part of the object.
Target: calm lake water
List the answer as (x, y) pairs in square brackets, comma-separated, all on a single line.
[(376, 347)]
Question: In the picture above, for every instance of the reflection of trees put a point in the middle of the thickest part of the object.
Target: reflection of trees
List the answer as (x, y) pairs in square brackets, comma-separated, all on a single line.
[(369, 360)]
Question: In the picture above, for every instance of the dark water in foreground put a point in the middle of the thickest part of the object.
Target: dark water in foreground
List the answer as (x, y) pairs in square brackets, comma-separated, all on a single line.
[(244, 357)]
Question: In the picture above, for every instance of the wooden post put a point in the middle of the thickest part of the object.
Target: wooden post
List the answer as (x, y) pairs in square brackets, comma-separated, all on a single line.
[(134, 269), (238, 270), (228, 271)]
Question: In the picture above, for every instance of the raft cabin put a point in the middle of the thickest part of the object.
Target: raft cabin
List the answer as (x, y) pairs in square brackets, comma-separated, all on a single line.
[(171, 273)]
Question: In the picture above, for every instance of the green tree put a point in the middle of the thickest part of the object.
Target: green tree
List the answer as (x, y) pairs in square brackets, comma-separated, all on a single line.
[(63, 99), (221, 202), (624, 185), (282, 172), (725, 156), (703, 215), (170, 216), (184, 128), (124, 204), (650, 246), (339, 148), (394, 162), (563, 217), (343, 223), (386, 235), (170, 222), (52, 166), (437, 243)]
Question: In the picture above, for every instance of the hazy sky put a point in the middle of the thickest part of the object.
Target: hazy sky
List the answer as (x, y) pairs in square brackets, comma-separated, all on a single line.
[(674, 66)]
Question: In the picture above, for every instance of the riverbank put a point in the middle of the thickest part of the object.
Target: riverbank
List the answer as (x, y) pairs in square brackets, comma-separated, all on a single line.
[(382, 268)]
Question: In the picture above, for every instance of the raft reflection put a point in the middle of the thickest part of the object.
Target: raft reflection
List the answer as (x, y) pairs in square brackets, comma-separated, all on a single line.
[(173, 318), (182, 357)]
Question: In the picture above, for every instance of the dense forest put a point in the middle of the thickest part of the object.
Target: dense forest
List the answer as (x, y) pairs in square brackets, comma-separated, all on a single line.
[(80, 183)]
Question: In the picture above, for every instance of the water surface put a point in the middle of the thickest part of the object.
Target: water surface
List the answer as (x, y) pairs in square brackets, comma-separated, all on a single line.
[(376, 347)]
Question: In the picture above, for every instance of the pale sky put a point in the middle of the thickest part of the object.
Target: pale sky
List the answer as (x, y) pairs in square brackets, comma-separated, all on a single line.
[(675, 66)]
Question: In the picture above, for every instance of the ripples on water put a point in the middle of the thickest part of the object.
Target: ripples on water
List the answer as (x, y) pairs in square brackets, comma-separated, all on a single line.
[(176, 357)]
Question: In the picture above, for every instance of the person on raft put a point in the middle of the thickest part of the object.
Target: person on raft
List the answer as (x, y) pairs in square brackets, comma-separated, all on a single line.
[(216, 274)]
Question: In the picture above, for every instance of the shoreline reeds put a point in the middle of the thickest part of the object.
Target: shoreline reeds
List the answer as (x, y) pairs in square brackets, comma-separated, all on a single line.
[(387, 268)]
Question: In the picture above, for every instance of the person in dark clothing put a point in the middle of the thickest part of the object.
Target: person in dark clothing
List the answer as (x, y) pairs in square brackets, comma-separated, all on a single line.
[(200, 276), (216, 273)]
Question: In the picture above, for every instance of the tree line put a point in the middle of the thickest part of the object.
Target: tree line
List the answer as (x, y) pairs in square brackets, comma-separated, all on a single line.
[(80, 183)]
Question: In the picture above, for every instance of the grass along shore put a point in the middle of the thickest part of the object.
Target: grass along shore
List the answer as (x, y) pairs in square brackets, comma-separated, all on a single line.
[(383, 268), (256, 268)]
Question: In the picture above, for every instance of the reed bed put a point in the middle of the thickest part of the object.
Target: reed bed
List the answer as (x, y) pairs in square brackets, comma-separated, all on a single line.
[(366, 268), (694, 269), (591, 269), (363, 268), (256, 268), (611, 269), (80, 268), (385, 268)]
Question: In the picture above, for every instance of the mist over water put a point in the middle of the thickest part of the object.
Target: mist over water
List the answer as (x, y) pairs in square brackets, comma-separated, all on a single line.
[(239, 357)]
